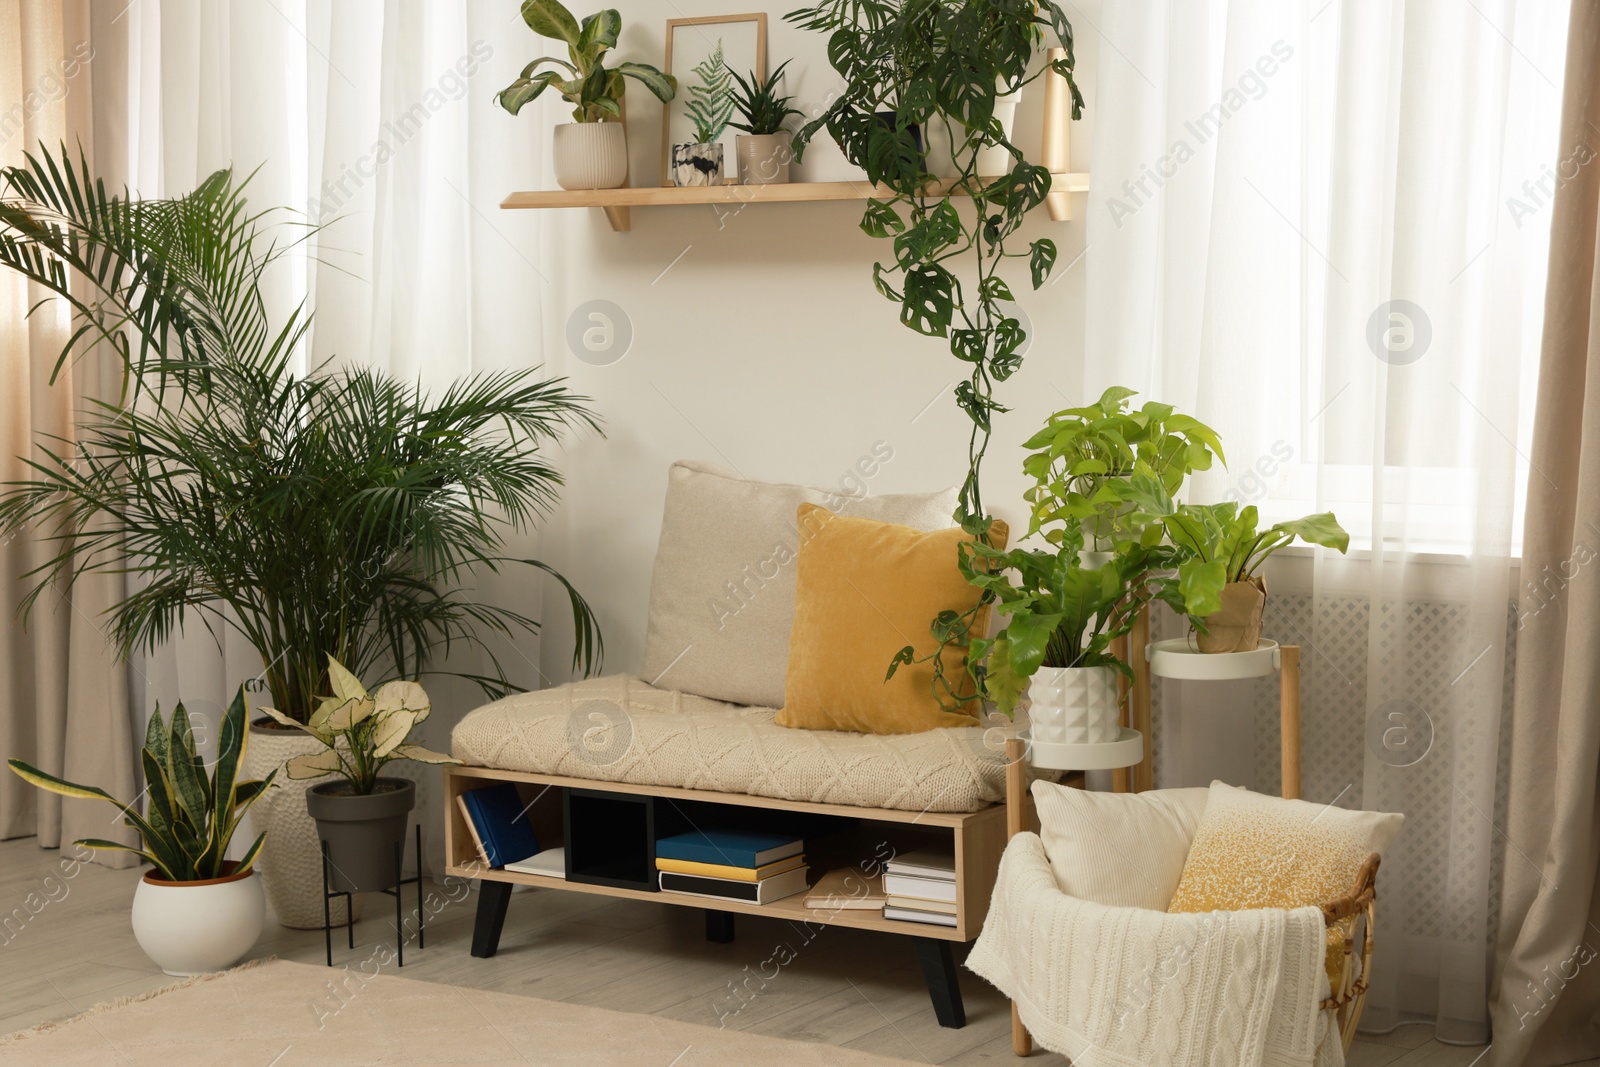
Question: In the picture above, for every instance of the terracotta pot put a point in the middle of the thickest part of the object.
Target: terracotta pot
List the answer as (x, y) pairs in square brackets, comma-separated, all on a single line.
[(1237, 627), (590, 155), (764, 158), (291, 859)]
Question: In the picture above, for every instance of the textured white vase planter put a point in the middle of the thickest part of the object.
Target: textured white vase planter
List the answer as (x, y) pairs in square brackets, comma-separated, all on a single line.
[(590, 155), (1073, 705), (291, 860), (697, 164), (189, 928), (764, 158), (992, 159)]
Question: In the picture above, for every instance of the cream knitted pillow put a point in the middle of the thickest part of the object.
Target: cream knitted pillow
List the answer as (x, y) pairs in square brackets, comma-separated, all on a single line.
[(722, 593), (1119, 849)]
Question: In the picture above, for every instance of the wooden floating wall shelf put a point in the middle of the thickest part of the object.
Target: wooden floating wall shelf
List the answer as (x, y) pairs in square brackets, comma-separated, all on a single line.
[(618, 203)]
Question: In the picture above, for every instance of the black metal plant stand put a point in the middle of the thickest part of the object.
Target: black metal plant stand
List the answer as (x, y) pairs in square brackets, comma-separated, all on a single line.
[(329, 893)]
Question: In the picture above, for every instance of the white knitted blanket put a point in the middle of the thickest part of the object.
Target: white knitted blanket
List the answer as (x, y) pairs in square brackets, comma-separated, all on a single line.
[(1128, 987)]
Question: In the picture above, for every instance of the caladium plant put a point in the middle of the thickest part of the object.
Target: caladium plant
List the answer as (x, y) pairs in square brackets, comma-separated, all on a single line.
[(362, 731)]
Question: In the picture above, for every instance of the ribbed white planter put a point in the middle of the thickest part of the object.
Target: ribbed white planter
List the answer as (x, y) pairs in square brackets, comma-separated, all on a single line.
[(764, 158), (590, 155), (992, 159), (1073, 705), (191, 928), (291, 860)]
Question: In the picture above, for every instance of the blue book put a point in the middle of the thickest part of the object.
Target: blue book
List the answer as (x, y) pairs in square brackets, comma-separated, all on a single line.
[(502, 821), (730, 848)]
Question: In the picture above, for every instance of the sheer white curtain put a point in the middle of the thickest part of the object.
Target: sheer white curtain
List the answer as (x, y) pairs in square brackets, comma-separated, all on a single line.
[(374, 120), (1322, 227)]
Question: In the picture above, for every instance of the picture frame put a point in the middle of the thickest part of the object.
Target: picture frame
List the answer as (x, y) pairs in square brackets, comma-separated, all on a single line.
[(688, 41)]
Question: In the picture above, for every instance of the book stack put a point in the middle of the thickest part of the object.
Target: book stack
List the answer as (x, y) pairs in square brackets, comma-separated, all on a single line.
[(497, 819), (920, 887), (732, 865)]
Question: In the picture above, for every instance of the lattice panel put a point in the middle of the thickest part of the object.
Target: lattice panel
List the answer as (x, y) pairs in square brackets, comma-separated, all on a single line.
[(1451, 853)]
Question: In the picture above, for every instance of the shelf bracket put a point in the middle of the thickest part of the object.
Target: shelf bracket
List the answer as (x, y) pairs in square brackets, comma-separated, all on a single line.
[(1057, 145)]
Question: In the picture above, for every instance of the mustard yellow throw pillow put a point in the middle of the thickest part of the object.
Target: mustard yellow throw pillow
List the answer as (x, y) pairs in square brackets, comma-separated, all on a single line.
[(1255, 851), (863, 591)]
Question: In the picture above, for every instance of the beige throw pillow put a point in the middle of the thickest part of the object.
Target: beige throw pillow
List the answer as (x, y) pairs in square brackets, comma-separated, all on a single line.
[(1123, 850), (722, 593)]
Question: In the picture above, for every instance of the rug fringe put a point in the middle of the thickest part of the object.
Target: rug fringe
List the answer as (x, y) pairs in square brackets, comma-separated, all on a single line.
[(123, 1002)]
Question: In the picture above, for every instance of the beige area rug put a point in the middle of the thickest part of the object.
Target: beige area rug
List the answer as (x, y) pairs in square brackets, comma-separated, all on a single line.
[(273, 1013)]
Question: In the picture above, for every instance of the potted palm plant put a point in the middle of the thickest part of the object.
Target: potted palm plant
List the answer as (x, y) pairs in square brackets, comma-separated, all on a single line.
[(764, 148), (1222, 591), (335, 511), (195, 910), (591, 151), (362, 814), (710, 107)]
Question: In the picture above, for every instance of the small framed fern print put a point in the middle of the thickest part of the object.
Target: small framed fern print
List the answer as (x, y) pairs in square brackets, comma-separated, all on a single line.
[(703, 53)]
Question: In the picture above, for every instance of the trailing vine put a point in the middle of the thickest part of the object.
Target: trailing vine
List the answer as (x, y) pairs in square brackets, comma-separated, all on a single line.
[(953, 59)]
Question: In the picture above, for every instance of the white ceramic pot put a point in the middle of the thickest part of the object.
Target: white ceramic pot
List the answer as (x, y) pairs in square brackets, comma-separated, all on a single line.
[(590, 155), (1073, 705), (697, 164), (291, 860), (994, 160), (937, 155), (764, 158), (189, 928)]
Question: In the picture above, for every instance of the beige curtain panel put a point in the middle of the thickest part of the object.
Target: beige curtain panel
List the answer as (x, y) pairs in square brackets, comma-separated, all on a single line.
[(1546, 1001), (64, 700)]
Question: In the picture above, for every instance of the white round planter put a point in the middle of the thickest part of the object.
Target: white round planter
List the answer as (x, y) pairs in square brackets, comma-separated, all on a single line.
[(994, 160), (590, 155), (189, 928), (1073, 705), (291, 860)]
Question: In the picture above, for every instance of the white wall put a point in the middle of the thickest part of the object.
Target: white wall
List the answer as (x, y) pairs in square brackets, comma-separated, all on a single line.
[(760, 344)]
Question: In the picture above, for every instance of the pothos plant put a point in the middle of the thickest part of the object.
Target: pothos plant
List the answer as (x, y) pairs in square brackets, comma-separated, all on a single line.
[(1112, 469), (952, 58), (1220, 544), (583, 79)]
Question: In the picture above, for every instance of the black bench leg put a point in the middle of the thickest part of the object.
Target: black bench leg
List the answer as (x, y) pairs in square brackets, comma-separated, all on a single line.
[(939, 971), (492, 900), (719, 926)]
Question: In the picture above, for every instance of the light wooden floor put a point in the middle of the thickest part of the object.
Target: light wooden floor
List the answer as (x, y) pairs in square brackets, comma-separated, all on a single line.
[(854, 988)]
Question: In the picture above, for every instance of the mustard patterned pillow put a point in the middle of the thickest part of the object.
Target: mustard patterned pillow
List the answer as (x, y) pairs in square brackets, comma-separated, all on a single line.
[(1255, 851)]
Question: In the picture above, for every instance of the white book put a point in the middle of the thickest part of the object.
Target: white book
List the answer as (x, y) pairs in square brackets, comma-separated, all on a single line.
[(940, 906), (912, 915), (551, 863), (904, 885), (925, 863)]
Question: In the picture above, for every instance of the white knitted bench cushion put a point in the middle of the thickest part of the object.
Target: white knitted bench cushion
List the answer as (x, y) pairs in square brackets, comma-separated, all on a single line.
[(619, 729)]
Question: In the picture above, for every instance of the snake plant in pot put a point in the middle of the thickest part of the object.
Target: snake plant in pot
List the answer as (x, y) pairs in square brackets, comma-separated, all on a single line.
[(196, 910), (591, 151), (765, 147), (361, 815), (329, 511)]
